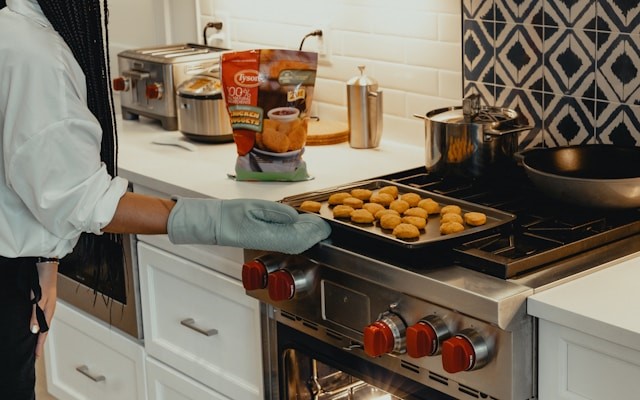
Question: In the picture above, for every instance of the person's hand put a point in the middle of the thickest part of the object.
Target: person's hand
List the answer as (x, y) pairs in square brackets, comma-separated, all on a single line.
[(48, 278), (245, 223)]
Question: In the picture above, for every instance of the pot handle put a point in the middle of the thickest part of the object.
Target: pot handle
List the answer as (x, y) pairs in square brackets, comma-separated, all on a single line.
[(420, 116), (516, 129)]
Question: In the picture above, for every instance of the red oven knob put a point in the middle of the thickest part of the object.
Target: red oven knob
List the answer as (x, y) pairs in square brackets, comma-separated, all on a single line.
[(384, 336), (120, 84), (281, 285), (154, 91), (466, 351), (424, 338), (255, 273)]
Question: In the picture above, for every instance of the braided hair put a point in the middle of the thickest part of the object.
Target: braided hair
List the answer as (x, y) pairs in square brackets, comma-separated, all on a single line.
[(80, 23)]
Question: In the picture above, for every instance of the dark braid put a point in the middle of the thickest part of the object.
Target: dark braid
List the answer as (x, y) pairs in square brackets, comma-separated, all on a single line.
[(80, 23)]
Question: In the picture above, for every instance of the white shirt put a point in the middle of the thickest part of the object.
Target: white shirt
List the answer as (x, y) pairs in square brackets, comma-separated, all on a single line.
[(53, 185)]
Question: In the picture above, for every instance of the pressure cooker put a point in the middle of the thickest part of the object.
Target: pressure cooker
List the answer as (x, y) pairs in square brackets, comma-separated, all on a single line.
[(471, 140), (202, 115)]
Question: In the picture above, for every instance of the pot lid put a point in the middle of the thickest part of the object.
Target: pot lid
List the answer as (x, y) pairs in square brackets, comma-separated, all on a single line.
[(485, 115), (202, 87), (362, 80)]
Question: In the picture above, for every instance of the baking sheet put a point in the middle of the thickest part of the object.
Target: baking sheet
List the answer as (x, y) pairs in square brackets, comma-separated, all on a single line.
[(431, 234)]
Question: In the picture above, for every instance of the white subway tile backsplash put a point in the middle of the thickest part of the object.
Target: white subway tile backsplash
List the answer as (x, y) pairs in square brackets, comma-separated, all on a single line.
[(411, 47)]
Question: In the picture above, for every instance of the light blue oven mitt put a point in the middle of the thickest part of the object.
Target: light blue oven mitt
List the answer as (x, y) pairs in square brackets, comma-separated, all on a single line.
[(245, 223)]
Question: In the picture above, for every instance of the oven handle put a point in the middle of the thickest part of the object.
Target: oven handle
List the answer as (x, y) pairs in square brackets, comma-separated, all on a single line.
[(191, 324), (84, 370)]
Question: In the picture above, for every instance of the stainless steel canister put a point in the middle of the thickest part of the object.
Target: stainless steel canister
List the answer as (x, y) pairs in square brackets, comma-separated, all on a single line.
[(364, 111)]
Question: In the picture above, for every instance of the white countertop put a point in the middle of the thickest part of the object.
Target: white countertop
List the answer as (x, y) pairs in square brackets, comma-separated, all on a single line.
[(203, 173), (604, 304)]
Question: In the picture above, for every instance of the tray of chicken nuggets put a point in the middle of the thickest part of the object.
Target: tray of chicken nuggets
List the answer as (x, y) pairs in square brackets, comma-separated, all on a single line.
[(399, 213)]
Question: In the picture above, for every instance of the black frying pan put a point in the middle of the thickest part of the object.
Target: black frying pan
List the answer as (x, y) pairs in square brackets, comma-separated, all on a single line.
[(602, 176)]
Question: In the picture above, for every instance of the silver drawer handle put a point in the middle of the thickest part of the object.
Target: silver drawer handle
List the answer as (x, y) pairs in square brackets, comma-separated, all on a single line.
[(191, 324), (84, 370)]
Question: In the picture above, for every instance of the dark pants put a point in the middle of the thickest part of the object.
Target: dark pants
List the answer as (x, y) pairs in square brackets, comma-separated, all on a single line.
[(17, 343)]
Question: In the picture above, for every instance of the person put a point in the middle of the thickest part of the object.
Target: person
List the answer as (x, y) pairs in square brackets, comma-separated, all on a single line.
[(59, 189)]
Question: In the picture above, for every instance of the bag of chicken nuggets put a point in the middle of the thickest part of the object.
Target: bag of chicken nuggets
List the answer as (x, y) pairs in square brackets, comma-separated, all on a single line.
[(268, 96)]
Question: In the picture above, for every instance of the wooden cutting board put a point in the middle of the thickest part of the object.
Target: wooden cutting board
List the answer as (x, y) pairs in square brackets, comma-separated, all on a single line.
[(327, 132)]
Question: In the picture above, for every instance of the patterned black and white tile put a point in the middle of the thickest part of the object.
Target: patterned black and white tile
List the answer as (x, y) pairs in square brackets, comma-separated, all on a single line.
[(574, 63)]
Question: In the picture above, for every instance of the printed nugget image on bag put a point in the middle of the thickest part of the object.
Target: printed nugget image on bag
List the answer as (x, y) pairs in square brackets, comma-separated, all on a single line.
[(268, 96)]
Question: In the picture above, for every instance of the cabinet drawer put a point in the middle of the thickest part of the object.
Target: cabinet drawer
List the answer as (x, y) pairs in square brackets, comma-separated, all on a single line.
[(165, 383), (86, 360), (201, 323)]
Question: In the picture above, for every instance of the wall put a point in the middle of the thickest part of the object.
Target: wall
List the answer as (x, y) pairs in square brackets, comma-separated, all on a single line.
[(570, 66), (413, 51)]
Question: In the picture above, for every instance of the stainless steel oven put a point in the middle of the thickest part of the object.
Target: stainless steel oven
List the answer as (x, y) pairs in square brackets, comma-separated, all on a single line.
[(358, 314), (118, 304)]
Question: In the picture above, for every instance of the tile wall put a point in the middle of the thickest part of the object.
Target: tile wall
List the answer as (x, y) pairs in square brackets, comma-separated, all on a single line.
[(412, 48), (571, 66)]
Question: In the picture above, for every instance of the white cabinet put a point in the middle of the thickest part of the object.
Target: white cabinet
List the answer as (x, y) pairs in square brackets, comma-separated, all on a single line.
[(165, 383), (201, 322), (576, 366), (85, 359)]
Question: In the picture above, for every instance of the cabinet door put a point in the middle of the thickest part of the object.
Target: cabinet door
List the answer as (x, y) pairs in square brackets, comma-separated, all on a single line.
[(165, 383), (86, 360), (201, 323), (577, 366)]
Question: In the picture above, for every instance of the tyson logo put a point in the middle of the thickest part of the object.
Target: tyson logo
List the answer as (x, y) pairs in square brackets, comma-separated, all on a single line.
[(247, 78)]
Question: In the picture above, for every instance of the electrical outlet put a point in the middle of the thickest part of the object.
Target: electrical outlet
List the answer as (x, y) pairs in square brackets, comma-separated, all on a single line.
[(320, 44), (217, 37)]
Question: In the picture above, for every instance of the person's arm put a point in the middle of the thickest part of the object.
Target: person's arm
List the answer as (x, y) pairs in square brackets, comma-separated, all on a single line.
[(140, 214)]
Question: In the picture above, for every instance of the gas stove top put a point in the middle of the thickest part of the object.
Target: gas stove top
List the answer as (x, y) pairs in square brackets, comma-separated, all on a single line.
[(544, 231)]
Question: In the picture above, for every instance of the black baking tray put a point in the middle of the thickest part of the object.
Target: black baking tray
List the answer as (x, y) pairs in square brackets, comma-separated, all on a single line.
[(430, 235)]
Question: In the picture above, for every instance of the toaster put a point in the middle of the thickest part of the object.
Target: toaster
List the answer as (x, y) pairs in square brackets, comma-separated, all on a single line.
[(149, 77)]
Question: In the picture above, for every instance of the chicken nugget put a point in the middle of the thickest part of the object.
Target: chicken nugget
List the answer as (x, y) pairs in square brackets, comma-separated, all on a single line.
[(381, 198), (338, 198), (392, 190), (399, 205), (297, 135), (416, 212), (475, 218), (419, 222), (390, 221), (275, 141), (362, 194), (342, 211), (451, 209), (406, 231), (362, 216), (430, 205), (353, 202), (373, 208), (380, 213), (450, 217), (412, 198), (451, 227), (311, 206)]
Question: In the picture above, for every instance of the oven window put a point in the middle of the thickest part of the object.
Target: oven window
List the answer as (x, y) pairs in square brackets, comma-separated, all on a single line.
[(311, 369), (111, 282)]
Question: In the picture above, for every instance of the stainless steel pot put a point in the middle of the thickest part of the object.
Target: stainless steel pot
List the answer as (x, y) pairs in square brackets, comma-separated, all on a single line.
[(596, 175), (202, 114), (471, 140)]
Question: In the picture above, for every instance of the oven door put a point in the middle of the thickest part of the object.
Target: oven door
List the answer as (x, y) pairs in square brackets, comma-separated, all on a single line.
[(303, 367), (118, 305)]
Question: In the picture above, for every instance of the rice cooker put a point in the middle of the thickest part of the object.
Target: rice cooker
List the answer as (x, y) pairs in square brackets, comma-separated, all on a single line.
[(202, 115)]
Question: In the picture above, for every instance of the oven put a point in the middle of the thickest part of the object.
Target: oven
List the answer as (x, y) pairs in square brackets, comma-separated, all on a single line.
[(357, 317), (116, 303)]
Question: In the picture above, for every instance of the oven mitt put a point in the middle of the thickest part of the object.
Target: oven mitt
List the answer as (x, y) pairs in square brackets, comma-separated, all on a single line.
[(245, 223)]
